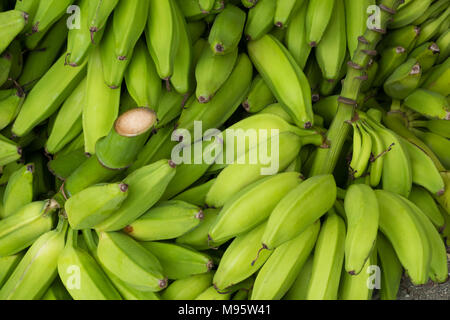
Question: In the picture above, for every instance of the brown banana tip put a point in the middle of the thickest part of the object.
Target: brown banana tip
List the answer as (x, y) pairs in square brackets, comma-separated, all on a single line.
[(202, 99), (168, 87), (93, 30), (123, 187), (172, 164), (416, 69), (279, 24), (30, 168), (219, 48), (162, 283), (210, 265), (417, 31), (313, 44), (19, 150), (447, 116), (66, 62), (219, 291), (25, 17), (315, 97), (264, 247), (246, 105), (400, 50), (435, 48), (205, 12), (248, 37), (122, 58), (441, 192), (113, 87), (35, 28), (352, 273), (200, 215), (128, 229), (308, 125)]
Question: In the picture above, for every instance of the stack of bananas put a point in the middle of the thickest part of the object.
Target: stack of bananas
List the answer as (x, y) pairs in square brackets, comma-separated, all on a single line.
[(93, 206)]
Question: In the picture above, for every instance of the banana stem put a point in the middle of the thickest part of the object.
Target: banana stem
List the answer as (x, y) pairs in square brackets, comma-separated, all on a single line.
[(326, 159)]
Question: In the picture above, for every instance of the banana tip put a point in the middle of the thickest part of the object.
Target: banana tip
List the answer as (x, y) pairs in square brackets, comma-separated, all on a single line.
[(123, 187), (162, 283), (313, 44), (279, 24), (172, 164), (308, 125), (352, 273), (246, 105), (200, 215), (210, 265), (441, 192), (203, 99), (128, 229), (219, 48)]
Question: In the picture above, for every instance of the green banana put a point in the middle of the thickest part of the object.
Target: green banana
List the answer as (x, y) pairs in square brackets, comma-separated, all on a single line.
[(188, 288), (251, 206), (362, 215), (431, 28), (196, 29), (284, 11), (19, 190), (197, 194), (328, 260), (362, 148), (391, 59), (30, 7), (179, 262), (318, 17), (81, 275), (421, 198), (206, 5), (428, 103), (191, 9), (162, 36), (299, 288), (68, 122), (433, 10), (212, 72), (391, 269), (334, 40), (259, 19), (10, 106), (47, 95), (57, 291), (92, 206), (145, 187), (439, 147), (21, 230), (278, 110), (407, 234), (9, 151), (296, 40), (8, 265), (38, 268), (139, 268), (64, 165), (12, 23), (405, 37), (439, 127), (438, 79), (285, 222), (443, 42), (404, 80), (259, 97), (236, 264), (15, 50), (426, 55), (182, 217), (5, 67), (356, 15), (212, 294), (295, 97), (227, 30), (409, 13), (249, 3), (98, 14), (281, 269)]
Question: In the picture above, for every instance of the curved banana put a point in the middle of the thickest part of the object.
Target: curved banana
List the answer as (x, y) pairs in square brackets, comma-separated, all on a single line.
[(259, 97), (421, 198), (259, 19), (284, 11), (30, 7), (318, 17), (431, 28), (404, 80), (391, 58), (438, 79), (19, 190), (438, 145), (405, 37), (391, 269), (299, 288), (439, 127), (362, 148), (196, 195), (443, 42), (188, 288), (98, 14), (356, 21), (428, 103), (8, 265), (295, 39), (12, 23), (10, 107), (409, 13)]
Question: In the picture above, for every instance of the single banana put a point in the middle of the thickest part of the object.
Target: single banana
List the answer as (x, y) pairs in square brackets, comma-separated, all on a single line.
[(299, 288), (333, 40), (409, 13), (439, 127), (47, 95), (206, 5), (245, 210), (426, 55), (281, 269), (64, 165), (259, 19), (21, 230), (19, 190), (197, 194), (328, 260), (431, 28), (182, 217), (438, 145), (362, 215), (188, 288), (391, 58), (422, 199), (439, 79), (407, 234), (391, 269), (405, 37), (12, 23), (30, 7), (267, 51), (8, 265), (92, 206), (196, 29), (68, 122), (259, 97), (362, 149), (295, 40), (162, 36), (443, 42), (145, 187), (143, 82), (179, 262), (227, 30), (10, 106), (356, 14), (212, 71), (38, 268), (98, 14), (286, 222), (428, 103), (236, 263), (277, 110), (212, 294), (138, 268), (318, 17), (284, 10), (404, 80)]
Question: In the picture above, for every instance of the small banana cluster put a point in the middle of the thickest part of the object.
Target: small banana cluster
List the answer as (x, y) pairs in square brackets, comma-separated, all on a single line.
[(93, 205)]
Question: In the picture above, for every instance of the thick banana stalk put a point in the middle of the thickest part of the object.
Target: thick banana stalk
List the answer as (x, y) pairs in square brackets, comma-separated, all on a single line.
[(19, 190), (281, 269), (12, 23), (299, 209), (284, 77), (318, 17), (38, 268), (188, 288), (169, 220)]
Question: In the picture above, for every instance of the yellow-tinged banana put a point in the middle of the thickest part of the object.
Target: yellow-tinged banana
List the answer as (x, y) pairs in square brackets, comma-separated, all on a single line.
[(12, 23), (238, 262), (47, 95), (409, 13), (328, 260), (81, 274), (334, 40), (281, 269), (188, 288), (93, 205), (145, 187), (19, 190), (38, 268), (284, 77), (356, 14), (259, 19), (362, 215), (295, 39), (212, 71), (318, 17), (143, 82), (162, 36), (407, 234), (8, 265), (251, 206), (138, 268), (299, 209), (169, 220), (20, 230), (68, 122), (391, 269), (428, 103), (227, 30)]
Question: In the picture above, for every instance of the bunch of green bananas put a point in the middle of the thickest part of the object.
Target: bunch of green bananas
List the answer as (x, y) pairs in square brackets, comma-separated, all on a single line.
[(93, 205)]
